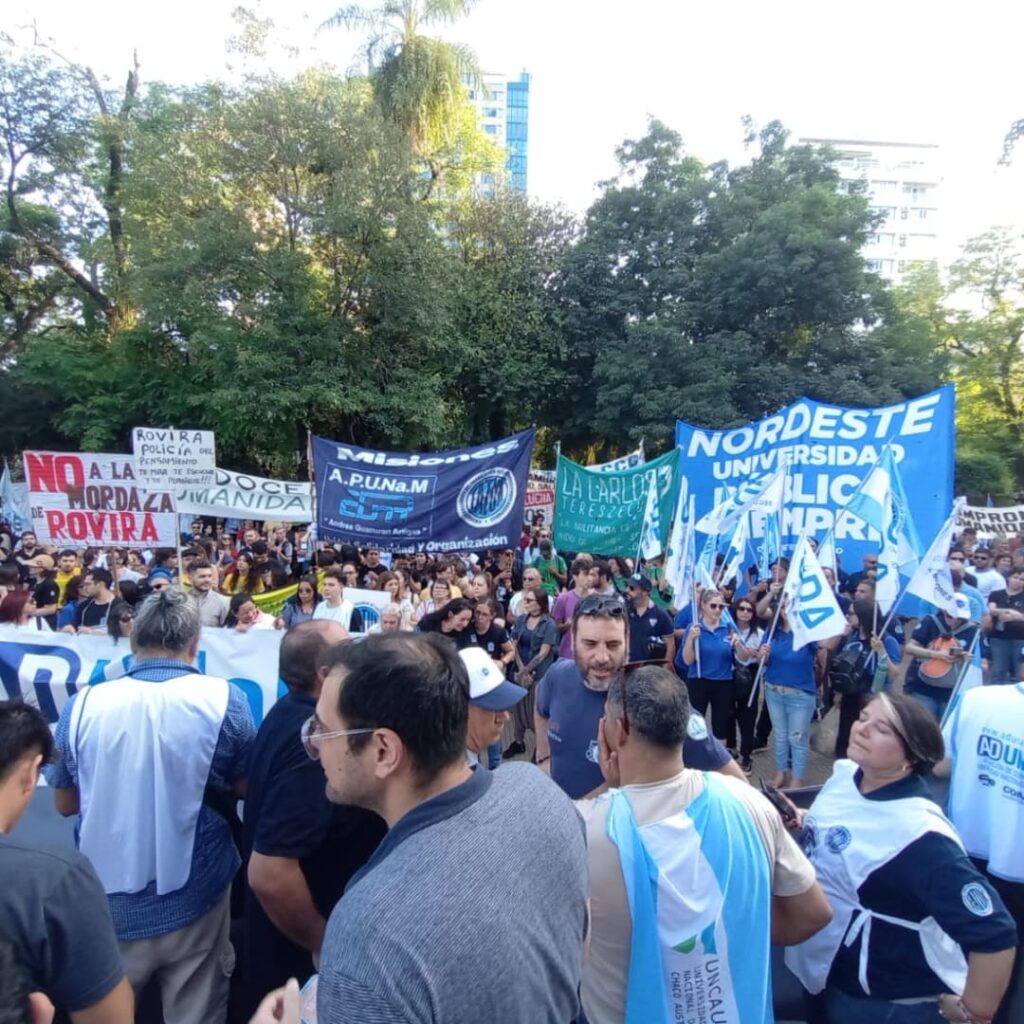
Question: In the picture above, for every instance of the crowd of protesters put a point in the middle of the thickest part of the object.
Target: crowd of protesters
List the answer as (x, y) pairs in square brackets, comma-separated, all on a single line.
[(424, 884)]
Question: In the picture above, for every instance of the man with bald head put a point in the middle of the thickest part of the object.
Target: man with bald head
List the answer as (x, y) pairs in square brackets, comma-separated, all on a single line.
[(300, 848)]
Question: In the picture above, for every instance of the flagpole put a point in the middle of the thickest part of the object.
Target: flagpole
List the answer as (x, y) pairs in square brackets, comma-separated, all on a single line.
[(968, 662), (767, 640), (844, 510)]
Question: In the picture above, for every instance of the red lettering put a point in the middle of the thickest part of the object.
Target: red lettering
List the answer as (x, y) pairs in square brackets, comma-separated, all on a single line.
[(149, 529), (56, 474), (96, 521), (127, 526), (55, 524), (78, 526)]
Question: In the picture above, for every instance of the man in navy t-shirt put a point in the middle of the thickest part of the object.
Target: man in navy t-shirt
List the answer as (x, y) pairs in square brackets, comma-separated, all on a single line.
[(571, 697), (650, 628), (300, 848)]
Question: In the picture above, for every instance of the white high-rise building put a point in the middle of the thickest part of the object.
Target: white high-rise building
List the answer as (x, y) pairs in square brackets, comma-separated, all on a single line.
[(503, 107), (903, 182)]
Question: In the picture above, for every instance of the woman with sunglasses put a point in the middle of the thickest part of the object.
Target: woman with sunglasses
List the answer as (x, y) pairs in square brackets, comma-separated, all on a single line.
[(301, 605), (912, 916), (120, 620), (710, 677), (749, 636)]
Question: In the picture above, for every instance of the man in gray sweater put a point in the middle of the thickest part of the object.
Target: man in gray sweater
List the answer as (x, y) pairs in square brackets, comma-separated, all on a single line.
[(404, 942)]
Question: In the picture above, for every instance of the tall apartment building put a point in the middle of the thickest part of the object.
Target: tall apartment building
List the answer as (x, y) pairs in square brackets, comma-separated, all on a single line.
[(503, 106), (903, 181)]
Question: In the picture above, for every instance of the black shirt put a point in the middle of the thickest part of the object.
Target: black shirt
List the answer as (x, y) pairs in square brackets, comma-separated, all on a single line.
[(55, 911), (92, 615), (45, 593), (1007, 630), (646, 631), (287, 814), (492, 641)]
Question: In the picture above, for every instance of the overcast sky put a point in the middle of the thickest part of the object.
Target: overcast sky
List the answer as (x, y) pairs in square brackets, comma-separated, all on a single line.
[(891, 70)]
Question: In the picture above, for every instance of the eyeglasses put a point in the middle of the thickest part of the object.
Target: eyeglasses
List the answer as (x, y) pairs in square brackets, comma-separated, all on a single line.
[(745, 608), (312, 735), (715, 604)]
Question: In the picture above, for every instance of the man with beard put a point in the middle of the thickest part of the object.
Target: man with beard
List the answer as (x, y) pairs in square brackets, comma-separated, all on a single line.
[(571, 699)]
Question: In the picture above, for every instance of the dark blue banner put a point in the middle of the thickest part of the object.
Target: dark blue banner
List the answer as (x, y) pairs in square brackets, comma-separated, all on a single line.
[(462, 500)]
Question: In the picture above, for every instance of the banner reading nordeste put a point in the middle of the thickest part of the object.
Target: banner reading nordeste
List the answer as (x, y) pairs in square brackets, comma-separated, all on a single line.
[(45, 669), (467, 499), (602, 512), (94, 499), (830, 449), (245, 496)]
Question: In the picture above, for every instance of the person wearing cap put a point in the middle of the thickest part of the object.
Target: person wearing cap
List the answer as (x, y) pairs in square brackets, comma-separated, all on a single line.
[(939, 646), (159, 579), (650, 628), (45, 591), (491, 700)]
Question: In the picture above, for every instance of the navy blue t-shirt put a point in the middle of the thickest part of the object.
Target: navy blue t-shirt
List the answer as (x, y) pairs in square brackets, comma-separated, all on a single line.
[(787, 667), (646, 632), (287, 814), (932, 877), (573, 711), (929, 629)]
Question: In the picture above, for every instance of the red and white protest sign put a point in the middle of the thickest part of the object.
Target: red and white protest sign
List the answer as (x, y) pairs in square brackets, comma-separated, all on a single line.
[(91, 499)]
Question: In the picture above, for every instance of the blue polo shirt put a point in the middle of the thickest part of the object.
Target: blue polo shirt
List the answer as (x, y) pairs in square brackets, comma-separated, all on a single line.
[(715, 653), (787, 667), (215, 859)]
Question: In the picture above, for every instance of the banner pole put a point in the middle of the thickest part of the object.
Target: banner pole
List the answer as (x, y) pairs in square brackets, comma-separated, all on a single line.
[(767, 640), (312, 493), (968, 661)]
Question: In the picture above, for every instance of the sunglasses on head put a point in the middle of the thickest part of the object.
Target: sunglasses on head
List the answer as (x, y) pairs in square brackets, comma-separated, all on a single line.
[(600, 604)]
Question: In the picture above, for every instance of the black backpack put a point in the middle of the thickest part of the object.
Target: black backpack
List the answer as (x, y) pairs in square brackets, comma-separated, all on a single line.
[(852, 671)]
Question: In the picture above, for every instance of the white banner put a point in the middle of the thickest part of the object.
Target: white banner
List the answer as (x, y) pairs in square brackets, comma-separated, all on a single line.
[(45, 669), (998, 522), (540, 495), (88, 498), (166, 459), (629, 461), (240, 496)]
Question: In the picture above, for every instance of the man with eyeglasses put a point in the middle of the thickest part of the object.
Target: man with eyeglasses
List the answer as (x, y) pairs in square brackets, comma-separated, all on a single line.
[(148, 760), (390, 732), (570, 702), (301, 849)]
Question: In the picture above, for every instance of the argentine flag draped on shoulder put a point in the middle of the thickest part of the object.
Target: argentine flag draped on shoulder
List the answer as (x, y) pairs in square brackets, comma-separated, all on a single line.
[(698, 885)]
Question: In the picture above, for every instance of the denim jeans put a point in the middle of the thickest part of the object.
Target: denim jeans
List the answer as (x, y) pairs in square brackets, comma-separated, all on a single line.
[(847, 1009), (791, 711), (1005, 659)]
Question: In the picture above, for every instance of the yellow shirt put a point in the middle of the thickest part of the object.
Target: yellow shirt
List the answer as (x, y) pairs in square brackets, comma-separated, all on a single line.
[(63, 579)]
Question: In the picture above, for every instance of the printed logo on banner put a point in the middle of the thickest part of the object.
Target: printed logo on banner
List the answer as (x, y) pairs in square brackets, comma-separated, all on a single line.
[(466, 499), (485, 499)]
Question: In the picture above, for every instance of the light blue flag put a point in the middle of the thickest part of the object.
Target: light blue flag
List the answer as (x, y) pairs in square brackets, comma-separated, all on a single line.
[(770, 546), (14, 508)]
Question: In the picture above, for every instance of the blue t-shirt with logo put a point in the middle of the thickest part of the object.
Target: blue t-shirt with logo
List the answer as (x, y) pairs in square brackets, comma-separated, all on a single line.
[(573, 711)]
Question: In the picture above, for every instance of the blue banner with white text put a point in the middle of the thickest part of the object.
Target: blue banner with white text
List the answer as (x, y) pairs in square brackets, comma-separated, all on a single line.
[(467, 499), (830, 449)]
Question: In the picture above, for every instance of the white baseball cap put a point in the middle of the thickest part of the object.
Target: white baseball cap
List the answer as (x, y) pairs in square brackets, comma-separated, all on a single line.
[(488, 688)]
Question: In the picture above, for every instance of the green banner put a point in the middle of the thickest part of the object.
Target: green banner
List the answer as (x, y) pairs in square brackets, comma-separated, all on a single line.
[(603, 513)]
